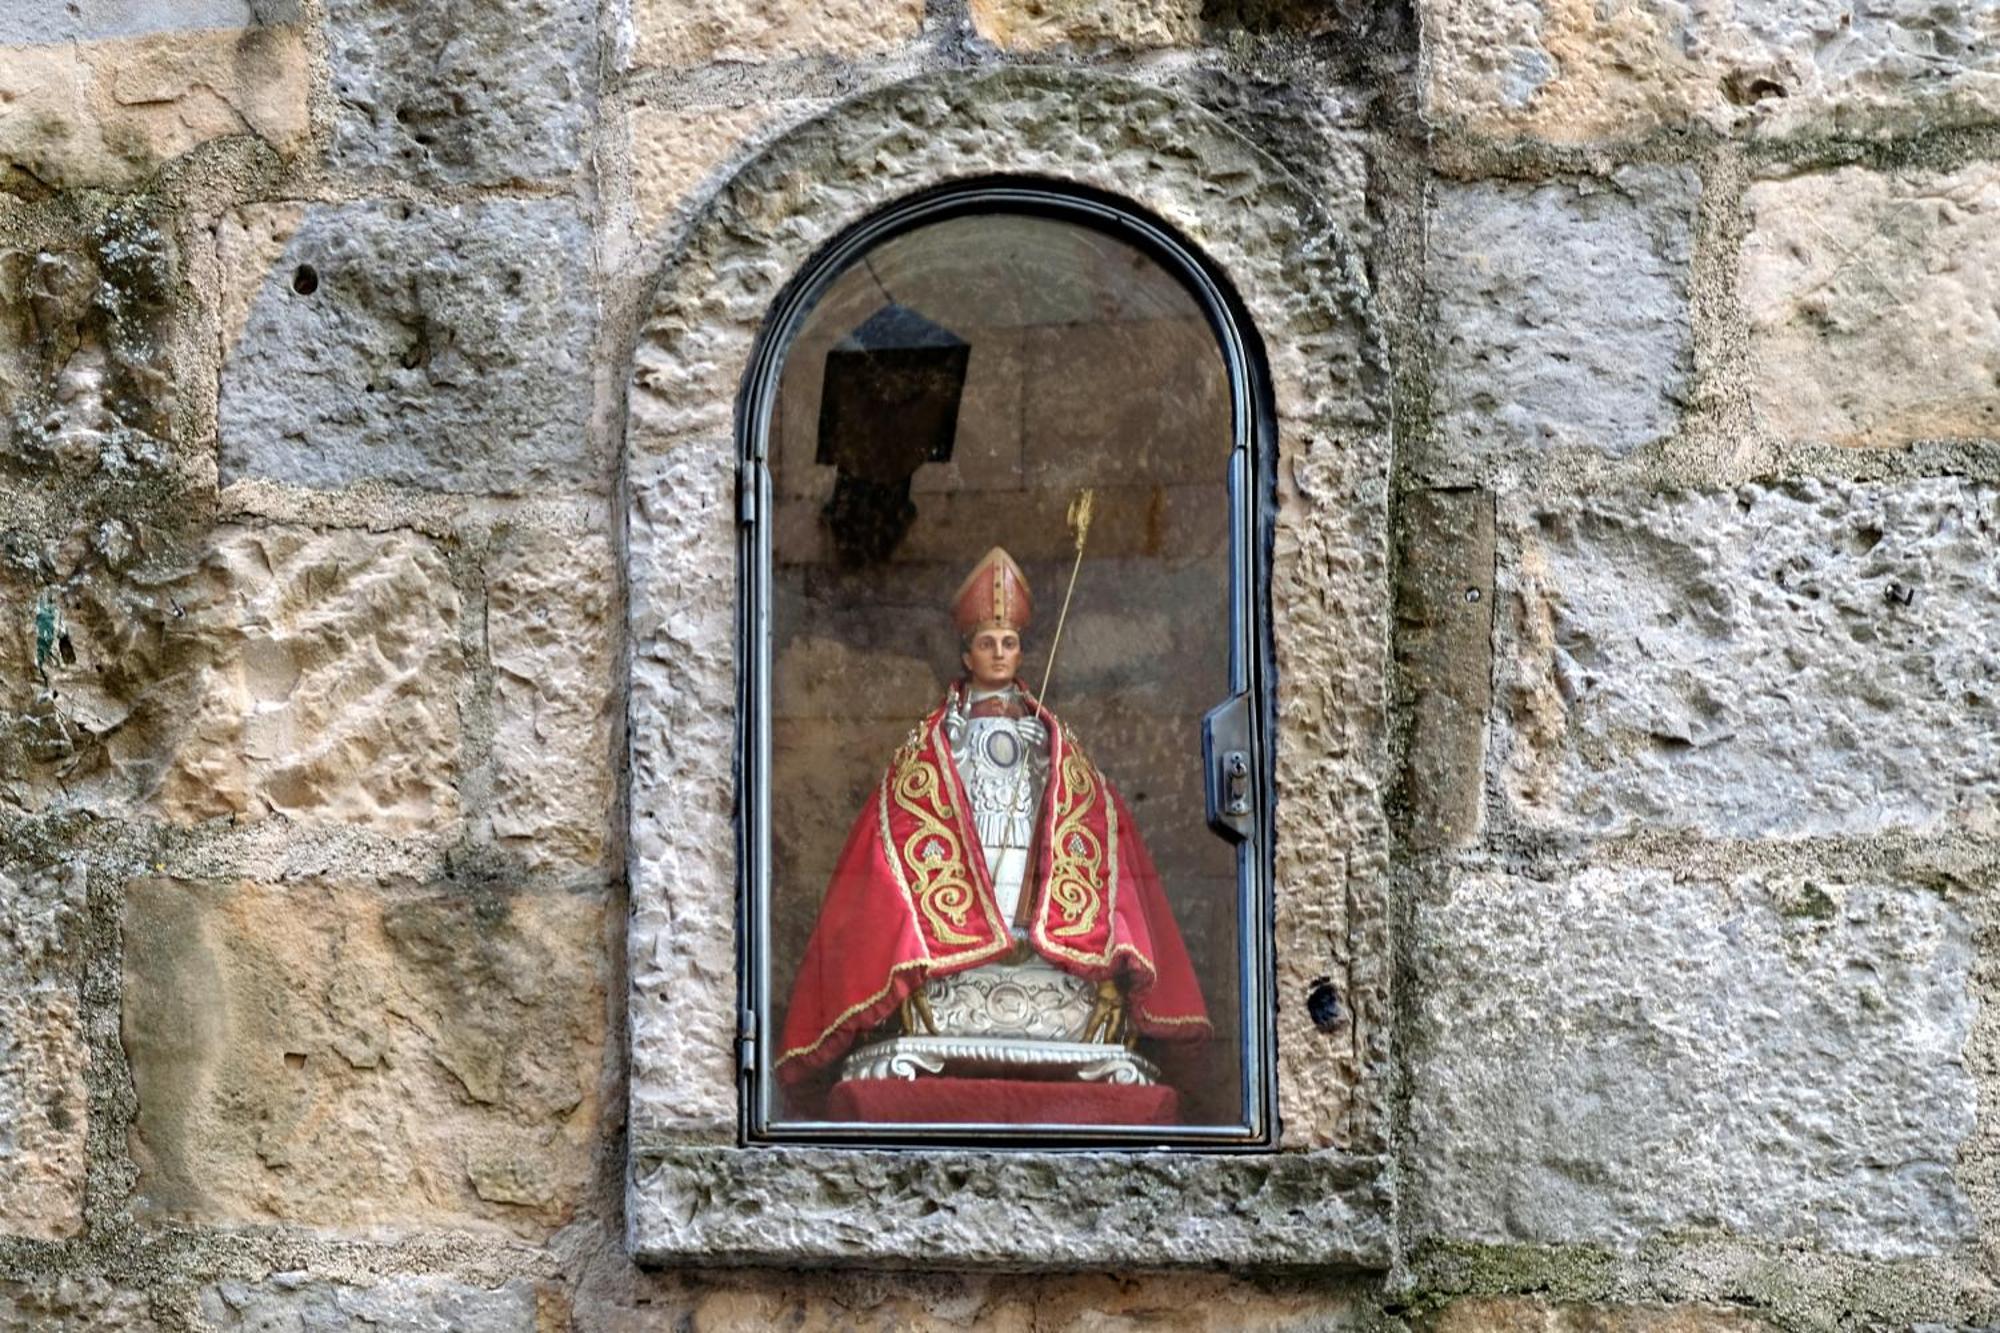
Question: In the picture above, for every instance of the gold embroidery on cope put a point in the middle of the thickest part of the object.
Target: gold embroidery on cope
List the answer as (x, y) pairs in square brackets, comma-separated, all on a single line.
[(1077, 865), (943, 889), (889, 843)]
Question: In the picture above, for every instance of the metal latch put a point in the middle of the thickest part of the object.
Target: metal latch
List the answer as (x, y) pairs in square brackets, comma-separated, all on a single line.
[(746, 1043), (1229, 780), (1235, 783)]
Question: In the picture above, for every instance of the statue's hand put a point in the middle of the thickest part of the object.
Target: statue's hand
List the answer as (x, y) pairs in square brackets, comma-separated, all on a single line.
[(1034, 733)]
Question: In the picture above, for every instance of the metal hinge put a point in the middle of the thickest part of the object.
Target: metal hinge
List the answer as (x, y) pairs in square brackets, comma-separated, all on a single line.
[(749, 479), (746, 1043)]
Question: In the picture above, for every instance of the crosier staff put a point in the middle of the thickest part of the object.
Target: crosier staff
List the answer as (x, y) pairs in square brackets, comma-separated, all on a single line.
[(1106, 1024), (1079, 523)]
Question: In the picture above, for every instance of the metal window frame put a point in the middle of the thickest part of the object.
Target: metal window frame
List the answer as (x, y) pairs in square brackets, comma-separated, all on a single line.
[(1252, 483)]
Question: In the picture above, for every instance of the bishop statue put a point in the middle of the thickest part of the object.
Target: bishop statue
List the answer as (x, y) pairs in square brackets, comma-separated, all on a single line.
[(994, 914)]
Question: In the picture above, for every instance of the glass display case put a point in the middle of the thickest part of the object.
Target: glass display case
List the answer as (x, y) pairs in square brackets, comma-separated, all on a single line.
[(1004, 801)]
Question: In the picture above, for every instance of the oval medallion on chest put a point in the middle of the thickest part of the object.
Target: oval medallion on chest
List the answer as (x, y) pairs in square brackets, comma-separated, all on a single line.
[(1003, 748)]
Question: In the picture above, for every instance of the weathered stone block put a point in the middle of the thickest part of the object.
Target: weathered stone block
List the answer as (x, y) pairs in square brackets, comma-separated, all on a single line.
[(1036, 25), (1528, 1314), (333, 1056), (1577, 73), (22, 362), (952, 1209), (39, 21), (1444, 653), (43, 1054), (1561, 311), (87, 321), (1795, 660), (1616, 1054), (442, 347), (817, 678), (73, 1305), (329, 693), (548, 626), (676, 149), (823, 1301), (683, 1015), (463, 91), (82, 106), (98, 678), (688, 32), (1873, 305), (417, 1304)]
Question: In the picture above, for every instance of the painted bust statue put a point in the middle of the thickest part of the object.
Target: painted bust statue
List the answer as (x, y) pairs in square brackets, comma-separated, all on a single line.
[(994, 919)]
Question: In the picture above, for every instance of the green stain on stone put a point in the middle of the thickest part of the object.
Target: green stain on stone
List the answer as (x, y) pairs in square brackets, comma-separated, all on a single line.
[(1811, 903)]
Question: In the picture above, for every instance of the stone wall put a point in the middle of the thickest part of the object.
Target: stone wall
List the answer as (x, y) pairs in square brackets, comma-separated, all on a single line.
[(316, 320)]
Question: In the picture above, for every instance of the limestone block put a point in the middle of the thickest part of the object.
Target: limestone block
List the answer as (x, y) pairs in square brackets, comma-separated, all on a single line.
[(1444, 649), (32, 734), (39, 21), (682, 940), (1036, 25), (441, 347), (87, 322), (340, 1057), (548, 627), (411, 1304), (330, 690), (1528, 1314), (99, 675), (73, 1305), (963, 1209), (676, 149), (1791, 660), (825, 1302), (1613, 1055), (463, 91), (1578, 73), (695, 32), (1874, 305), (19, 362), (43, 1055), (110, 111), (1561, 311), (817, 677)]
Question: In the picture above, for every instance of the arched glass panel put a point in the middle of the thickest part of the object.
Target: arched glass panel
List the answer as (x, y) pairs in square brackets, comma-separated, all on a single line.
[(1004, 795)]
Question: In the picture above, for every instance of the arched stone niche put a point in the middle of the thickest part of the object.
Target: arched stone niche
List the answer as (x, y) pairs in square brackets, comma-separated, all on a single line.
[(1320, 1199)]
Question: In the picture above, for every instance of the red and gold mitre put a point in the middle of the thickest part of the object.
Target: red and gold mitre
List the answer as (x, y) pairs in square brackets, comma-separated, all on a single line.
[(994, 594)]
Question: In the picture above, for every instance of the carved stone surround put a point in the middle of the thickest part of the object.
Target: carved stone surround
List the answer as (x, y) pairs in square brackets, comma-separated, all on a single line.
[(1321, 1199)]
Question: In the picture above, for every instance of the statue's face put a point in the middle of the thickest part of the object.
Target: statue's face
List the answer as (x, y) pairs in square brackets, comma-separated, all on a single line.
[(993, 658)]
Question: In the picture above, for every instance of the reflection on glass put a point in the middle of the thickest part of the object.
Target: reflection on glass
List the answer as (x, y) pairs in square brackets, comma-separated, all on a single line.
[(994, 897)]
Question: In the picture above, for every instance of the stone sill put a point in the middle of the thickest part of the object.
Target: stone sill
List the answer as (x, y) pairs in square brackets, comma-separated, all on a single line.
[(954, 1208)]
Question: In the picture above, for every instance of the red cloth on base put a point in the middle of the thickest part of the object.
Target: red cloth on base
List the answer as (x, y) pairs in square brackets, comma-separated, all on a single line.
[(1001, 1101)]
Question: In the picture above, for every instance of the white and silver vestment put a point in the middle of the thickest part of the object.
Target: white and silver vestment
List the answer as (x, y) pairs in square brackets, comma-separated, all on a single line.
[(1004, 764)]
